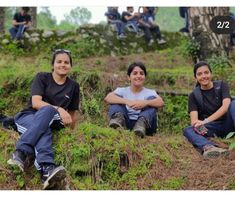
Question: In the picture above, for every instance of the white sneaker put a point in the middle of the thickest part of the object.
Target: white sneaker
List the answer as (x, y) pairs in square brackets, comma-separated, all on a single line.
[(161, 41), (150, 43), (121, 36)]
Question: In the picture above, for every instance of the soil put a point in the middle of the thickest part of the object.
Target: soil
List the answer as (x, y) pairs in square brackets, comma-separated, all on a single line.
[(198, 172)]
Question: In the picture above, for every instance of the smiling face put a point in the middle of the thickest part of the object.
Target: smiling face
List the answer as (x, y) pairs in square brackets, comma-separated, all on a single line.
[(62, 65), (204, 76), (137, 77)]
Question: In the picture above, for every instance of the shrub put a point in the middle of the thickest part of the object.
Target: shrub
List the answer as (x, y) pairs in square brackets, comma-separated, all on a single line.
[(220, 65)]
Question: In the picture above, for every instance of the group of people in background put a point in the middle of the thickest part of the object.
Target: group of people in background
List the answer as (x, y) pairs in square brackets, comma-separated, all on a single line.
[(141, 21)]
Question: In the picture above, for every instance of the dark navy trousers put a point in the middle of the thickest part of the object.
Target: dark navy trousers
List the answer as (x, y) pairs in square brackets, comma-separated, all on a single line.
[(149, 113), (17, 32), (215, 128), (36, 133)]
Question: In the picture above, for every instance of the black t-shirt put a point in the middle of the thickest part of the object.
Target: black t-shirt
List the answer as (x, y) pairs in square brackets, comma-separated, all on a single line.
[(21, 18), (65, 95), (211, 103), (125, 13)]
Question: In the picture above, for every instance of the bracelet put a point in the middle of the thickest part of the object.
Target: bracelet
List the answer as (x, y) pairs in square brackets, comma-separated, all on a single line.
[(206, 120)]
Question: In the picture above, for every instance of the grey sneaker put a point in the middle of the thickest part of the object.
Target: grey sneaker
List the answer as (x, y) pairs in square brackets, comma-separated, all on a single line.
[(18, 160), (161, 41), (211, 151), (117, 121), (140, 127), (21, 160)]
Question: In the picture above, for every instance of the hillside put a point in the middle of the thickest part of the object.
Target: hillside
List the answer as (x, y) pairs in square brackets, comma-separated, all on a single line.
[(95, 156)]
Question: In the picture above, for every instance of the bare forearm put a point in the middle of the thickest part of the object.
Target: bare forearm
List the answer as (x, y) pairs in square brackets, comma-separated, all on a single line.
[(193, 117), (74, 117), (112, 98), (221, 111), (38, 103), (158, 102), (18, 23)]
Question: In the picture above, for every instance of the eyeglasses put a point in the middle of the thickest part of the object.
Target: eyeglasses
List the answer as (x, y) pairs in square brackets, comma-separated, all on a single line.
[(62, 51)]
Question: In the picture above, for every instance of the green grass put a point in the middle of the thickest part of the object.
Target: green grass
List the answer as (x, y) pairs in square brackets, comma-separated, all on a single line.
[(174, 183)]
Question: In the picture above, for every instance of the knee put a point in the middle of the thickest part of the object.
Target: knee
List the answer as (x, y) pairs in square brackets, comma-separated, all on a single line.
[(187, 131), (150, 110), (48, 109), (116, 107)]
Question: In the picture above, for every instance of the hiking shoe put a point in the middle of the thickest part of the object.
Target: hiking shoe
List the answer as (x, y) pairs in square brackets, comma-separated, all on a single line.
[(140, 127), (150, 43), (52, 176), (117, 121), (161, 41), (9, 123), (211, 151), (18, 159)]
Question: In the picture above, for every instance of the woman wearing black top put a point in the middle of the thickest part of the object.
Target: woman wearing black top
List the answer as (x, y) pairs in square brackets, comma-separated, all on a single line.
[(54, 100), (211, 112)]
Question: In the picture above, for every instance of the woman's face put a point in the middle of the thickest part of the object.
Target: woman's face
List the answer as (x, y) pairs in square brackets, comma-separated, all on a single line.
[(62, 64), (137, 77), (203, 76)]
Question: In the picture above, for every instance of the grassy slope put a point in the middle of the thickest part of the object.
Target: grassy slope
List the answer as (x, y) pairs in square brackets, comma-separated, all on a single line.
[(101, 158)]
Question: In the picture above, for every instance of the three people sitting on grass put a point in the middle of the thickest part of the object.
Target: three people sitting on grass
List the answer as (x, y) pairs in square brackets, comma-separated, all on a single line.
[(134, 107), (212, 113), (55, 98)]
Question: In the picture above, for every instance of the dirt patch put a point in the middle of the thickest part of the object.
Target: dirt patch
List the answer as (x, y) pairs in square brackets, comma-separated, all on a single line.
[(188, 164)]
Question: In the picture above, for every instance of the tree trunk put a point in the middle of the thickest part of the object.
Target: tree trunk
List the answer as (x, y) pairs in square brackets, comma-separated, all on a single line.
[(2, 20), (33, 13), (210, 42)]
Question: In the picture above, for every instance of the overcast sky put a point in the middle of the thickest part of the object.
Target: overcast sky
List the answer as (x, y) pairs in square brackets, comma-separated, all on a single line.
[(97, 12)]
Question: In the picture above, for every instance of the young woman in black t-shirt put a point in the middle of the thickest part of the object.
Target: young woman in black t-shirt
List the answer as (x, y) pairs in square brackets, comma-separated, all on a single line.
[(211, 112), (53, 104)]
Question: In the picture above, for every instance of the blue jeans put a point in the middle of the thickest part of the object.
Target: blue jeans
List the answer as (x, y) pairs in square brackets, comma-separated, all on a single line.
[(119, 25), (216, 128), (134, 24), (36, 132), (17, 32), (149, 113), (149, 31)]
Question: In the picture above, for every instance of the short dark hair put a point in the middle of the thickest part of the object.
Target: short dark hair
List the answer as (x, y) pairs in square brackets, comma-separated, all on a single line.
[(26, 9), (61, 51), (129, 7), (133, 65), (200, 64)]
